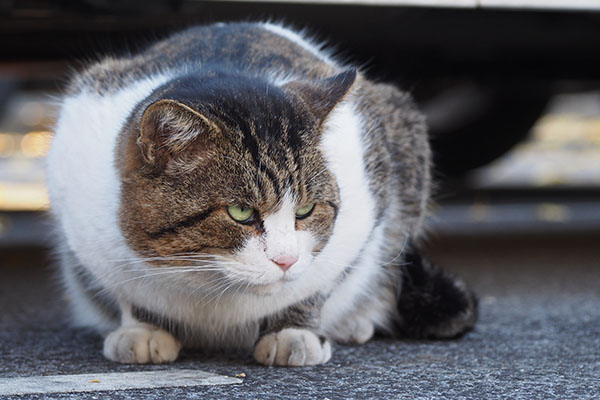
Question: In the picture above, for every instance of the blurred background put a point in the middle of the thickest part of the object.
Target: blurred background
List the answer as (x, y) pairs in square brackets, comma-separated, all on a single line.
[(511, 90)]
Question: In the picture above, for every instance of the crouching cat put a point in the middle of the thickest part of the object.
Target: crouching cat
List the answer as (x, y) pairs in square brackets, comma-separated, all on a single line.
[(232, 186)]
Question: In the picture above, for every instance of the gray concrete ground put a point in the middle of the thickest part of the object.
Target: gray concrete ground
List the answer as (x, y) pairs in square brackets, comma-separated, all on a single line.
[(538, 336)]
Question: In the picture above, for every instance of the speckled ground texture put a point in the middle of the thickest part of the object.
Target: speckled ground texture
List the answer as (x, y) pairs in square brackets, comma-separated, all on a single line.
[(538, 336)]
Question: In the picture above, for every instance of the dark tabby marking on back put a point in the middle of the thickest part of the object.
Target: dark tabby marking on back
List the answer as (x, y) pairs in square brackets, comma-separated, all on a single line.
[(241, 46)]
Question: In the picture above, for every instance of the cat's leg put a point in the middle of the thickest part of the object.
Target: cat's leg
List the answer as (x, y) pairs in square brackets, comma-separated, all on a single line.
[(433, 303), (92, 306), (89, 303), (293, 338), (136, 342), (373, 311), (355, 328)]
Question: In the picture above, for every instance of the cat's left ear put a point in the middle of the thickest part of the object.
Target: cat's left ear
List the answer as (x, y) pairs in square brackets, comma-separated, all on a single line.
[(323, 96)]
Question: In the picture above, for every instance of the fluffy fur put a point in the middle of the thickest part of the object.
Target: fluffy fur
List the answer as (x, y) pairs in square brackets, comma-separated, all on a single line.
[(151, 151)]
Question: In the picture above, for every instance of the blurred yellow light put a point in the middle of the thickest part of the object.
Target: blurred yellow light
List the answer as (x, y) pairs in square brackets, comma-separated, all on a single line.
[(36, 144), (23, 197), (8, 144)]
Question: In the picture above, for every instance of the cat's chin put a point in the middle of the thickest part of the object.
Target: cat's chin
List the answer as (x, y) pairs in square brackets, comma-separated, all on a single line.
[(267, 289)]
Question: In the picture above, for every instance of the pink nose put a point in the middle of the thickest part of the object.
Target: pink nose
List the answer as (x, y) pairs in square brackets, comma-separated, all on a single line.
[(285, 261)]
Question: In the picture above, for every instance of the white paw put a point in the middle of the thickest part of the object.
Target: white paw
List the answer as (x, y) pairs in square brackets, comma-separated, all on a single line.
[(353, 330), (141, 344), (292, 347)]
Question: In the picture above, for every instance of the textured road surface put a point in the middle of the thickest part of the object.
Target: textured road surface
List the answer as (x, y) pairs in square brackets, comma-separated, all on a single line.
[(538, 336)]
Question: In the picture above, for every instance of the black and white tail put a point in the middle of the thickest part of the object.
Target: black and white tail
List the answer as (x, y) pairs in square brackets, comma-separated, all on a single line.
[(432, 303)]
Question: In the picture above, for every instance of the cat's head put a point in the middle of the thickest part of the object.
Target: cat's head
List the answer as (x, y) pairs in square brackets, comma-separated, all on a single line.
[(225, 173)]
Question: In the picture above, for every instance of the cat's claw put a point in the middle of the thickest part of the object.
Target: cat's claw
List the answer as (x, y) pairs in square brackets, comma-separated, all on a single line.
[(141, 344), (292, 347)]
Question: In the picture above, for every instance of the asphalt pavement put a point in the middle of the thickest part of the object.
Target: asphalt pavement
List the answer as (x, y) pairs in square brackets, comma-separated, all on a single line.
[(538, 337)]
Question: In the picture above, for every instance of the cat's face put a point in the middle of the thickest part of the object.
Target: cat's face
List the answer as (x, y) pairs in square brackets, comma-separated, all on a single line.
[(238, 189)]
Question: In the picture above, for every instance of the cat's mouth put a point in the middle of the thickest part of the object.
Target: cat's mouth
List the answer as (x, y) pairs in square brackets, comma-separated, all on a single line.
[(263, 280), (270, 288)]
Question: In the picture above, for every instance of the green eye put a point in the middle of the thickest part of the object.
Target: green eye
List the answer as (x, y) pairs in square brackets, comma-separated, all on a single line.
[(305, 211), (240, 213)]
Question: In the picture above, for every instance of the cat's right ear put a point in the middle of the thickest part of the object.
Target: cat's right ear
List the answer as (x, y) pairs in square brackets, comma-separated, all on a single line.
[(323, 96), (168, 128)]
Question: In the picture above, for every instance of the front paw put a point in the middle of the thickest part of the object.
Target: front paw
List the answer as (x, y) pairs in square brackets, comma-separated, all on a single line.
[(141, 344), (292, 347)]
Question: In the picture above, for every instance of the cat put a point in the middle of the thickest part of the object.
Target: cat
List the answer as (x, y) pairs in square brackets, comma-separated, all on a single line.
[(234, 187)]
